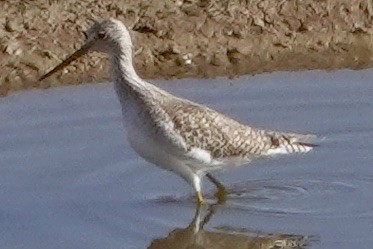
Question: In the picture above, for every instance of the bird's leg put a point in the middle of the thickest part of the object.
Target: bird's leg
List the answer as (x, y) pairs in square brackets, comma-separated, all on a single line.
[(196, 182), (221, 194), (199, 198)]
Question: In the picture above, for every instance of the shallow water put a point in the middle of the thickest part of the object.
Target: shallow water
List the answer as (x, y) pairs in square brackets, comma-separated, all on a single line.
[(68, 178)]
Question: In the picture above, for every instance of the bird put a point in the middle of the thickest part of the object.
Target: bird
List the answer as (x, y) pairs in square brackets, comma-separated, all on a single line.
[(173, 133)]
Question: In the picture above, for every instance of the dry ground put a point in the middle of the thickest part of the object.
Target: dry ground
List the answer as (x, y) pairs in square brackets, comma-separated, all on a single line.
[(185, 38)]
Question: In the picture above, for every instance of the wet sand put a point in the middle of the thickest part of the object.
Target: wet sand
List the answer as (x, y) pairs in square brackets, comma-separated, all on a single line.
[(185, 38)]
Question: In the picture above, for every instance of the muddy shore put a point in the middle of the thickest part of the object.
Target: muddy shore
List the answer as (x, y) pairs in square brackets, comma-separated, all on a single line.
[(179, 38)]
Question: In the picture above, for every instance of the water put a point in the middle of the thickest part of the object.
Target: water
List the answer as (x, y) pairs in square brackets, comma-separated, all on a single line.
[(68, 178)]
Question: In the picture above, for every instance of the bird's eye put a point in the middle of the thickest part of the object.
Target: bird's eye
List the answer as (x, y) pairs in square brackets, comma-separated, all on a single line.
[(85, 35), (101, 35)]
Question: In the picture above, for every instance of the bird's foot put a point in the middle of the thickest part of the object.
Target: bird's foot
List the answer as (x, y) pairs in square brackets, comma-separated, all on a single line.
[(221, 195), (222, 192), (199, 198)]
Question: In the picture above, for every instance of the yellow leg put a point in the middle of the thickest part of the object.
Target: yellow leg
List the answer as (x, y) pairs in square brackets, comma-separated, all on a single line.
[(199, 198), (221, 194)]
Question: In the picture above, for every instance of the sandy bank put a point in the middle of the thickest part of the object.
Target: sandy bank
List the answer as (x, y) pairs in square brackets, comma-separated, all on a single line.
[(185, 38)]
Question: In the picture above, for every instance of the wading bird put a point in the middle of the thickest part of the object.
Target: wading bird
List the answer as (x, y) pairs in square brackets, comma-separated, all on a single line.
[(173, 133)]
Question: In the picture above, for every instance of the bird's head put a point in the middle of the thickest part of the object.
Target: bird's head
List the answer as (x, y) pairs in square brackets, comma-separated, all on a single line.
[(107, 36)]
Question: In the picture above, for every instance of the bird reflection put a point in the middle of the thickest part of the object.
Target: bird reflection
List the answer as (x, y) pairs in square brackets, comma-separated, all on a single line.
[(195, 237)]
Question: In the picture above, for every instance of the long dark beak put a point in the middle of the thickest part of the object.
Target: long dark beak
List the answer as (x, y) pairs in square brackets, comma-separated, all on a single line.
[(82, 51)]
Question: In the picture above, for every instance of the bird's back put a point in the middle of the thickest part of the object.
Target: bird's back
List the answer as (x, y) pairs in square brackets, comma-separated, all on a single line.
[(214, 138)]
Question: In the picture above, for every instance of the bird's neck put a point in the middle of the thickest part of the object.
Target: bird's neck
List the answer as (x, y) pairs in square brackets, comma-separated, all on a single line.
[(127, 82), (121, 65), (130, 88)]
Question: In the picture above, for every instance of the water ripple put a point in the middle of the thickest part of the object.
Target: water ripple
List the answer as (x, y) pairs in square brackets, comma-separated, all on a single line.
[(301, 197)]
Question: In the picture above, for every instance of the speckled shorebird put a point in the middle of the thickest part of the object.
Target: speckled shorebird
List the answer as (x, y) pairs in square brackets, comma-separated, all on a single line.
[(176, 134)]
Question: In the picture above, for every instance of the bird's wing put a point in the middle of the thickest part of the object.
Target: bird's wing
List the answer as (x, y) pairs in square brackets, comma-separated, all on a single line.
[(211, 136)]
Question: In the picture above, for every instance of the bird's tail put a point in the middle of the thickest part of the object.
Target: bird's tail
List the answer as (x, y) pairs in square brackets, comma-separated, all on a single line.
[(286, 143)]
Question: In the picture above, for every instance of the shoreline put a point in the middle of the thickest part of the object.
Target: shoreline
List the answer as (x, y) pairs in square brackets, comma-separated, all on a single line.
[(178, 39)]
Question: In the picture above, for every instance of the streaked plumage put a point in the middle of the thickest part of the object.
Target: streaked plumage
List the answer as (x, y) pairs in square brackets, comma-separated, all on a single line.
[(174, 133)]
